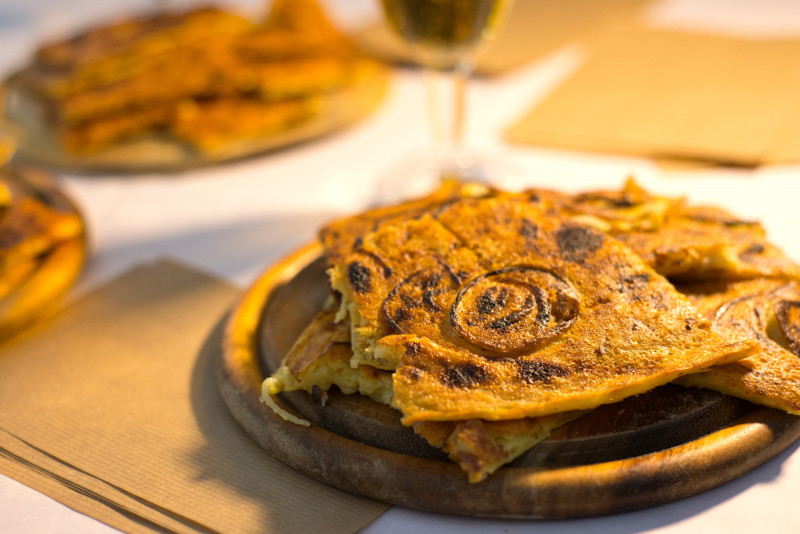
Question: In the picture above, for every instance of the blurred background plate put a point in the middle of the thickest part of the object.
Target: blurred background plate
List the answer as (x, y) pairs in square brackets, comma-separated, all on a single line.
[(25, 115)]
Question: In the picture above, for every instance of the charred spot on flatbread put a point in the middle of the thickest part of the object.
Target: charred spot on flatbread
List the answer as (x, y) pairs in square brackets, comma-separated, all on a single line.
[(533, 371), (360, 277), (419, 296), (466, 375), (577, 242)]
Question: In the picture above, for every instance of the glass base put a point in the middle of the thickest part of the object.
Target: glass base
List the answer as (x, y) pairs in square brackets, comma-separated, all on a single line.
[(422, 172)]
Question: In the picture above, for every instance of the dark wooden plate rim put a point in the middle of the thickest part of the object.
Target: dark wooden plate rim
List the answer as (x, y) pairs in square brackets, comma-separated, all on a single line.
[(521, 492)]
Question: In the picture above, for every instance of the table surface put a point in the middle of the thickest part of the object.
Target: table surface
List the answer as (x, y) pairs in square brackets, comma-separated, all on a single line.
[(235, 220)]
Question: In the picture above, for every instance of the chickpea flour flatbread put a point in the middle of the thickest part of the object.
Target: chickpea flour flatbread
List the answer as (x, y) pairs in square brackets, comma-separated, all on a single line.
[(500, 309), (768, 311)]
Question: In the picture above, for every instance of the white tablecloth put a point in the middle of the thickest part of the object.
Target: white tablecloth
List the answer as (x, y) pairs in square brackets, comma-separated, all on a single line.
[(234, 220)]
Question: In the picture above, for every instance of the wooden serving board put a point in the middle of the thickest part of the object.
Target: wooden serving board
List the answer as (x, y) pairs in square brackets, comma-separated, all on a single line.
[(648, 450)]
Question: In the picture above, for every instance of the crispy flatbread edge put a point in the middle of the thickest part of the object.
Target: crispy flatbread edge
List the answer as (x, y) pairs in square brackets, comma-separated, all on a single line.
[(734, 350)]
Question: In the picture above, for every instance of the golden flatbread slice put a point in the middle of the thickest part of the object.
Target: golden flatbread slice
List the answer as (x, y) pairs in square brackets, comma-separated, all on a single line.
[(161, 80), (212, 125), (500, 309), (679, 240), (768, 311), (288, 93), (320, 359), (90, 136), (216, 73)]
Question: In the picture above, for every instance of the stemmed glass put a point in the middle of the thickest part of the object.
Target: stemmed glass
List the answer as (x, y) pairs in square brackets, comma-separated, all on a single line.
[(443, 36)]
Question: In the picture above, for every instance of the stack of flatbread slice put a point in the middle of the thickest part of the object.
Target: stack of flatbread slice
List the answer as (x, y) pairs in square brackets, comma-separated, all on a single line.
[(489, 318)]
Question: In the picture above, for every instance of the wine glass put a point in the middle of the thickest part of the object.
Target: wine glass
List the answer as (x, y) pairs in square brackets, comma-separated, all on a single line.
[(443, 36)]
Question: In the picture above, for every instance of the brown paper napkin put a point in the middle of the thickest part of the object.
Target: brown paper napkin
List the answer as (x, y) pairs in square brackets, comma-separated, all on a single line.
[(532, 29), (668, 94), (112, 408)]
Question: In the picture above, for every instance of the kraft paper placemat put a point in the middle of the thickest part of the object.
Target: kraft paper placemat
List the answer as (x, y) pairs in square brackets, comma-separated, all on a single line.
[(112, 408), (675, 95), (531, 29)]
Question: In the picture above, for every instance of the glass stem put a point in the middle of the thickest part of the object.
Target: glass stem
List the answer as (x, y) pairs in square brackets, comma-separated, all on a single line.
[(446, 106)]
